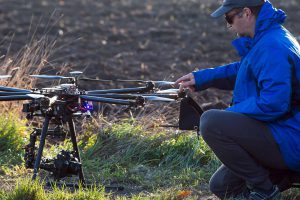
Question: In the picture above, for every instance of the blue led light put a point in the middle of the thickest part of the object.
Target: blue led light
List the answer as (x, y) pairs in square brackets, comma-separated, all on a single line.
[(87, 105)]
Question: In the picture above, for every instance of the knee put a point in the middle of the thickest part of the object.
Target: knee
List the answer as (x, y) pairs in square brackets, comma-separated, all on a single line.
[(209, 122)]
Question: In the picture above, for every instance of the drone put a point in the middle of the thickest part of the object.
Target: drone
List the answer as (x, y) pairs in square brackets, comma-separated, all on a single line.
[(59, 105)]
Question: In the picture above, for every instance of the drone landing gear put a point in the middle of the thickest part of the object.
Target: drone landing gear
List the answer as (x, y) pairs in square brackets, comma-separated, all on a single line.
[(65, 164)]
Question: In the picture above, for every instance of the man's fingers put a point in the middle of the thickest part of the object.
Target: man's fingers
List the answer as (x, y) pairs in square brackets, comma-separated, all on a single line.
[(187, 83), (181, 88), (183, 78), (180, 80), (190, 87)]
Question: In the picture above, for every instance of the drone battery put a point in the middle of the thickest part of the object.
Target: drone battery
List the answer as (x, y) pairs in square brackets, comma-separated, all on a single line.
[(190, 113)]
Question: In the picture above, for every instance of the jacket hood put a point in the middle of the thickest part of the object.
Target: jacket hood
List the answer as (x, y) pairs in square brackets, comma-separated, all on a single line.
[(268, 17)]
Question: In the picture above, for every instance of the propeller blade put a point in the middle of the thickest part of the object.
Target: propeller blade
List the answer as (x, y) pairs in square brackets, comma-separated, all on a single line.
[(76, 73), (171, 91), (53, 88), (123, 90), (15, 98), (134, 96), (169, 96), (156, 83), (163, 83), (13, 93), (12, 89), (155, 98), (93, 79), (137, 81), (4, 76), (48, 76), (143, 81), (115, 96), (35, 96)]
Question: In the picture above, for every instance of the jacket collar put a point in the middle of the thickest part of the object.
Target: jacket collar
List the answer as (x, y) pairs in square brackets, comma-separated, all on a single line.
[(268, 17)]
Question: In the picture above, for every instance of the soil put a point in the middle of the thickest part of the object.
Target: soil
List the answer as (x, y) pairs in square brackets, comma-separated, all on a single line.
[(127, 39)]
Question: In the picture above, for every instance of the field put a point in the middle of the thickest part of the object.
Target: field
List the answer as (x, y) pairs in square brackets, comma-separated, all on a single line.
[(121, 39)]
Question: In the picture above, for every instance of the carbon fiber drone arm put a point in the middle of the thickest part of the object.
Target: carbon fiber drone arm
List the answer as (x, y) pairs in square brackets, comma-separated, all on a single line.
[(136, 102), (134, 96), (148, 88)]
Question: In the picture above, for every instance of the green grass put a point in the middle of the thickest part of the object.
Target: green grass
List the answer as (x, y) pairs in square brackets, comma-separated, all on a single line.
[(126, 154), (26, 189), (12, 139), (150, 164)]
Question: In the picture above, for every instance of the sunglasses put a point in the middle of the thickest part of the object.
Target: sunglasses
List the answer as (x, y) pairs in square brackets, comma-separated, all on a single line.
[(229, 18)]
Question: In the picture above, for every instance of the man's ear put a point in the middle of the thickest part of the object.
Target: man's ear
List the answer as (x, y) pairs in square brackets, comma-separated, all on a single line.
[(248, 12)]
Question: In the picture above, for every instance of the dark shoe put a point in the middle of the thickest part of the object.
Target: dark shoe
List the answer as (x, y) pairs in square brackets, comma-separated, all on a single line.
[(243, 195), (258, 194)]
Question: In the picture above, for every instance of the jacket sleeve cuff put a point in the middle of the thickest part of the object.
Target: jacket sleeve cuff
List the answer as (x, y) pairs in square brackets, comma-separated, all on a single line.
[(202, 79)]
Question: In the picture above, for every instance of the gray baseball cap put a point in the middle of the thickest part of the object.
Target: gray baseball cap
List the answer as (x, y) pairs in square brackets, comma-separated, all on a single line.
[(228, 5)]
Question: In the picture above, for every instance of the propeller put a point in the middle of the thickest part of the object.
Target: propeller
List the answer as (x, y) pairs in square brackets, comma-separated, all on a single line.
[(150, 97), (143, 81), (15, 98), (133, 96), (12, 93), (169, 96), (123, 90), (156, 83), (93, 79), (35, 96), (13, 89), (53, 88), (156, 98), (170, 91), (43, 76), (4, 76), (76, 73)]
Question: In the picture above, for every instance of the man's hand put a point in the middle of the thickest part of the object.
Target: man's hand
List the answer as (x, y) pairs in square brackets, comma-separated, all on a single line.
[(186, 81)]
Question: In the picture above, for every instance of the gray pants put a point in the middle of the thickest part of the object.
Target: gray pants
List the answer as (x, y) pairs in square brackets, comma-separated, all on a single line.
[(246, 148)]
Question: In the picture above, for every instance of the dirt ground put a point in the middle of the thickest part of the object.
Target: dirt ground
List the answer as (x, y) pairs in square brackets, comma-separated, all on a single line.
[(127, 39)]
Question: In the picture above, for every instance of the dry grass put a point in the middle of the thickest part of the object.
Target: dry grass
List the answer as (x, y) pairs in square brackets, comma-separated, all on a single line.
[(33, 58)]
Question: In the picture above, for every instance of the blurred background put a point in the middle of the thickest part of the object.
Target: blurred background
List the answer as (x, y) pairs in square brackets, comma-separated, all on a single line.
[(126, 39)]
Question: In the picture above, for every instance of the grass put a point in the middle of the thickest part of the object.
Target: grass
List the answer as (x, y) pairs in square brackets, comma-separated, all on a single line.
[(12, 139), (34, 190), (125, 154), (153, 164)]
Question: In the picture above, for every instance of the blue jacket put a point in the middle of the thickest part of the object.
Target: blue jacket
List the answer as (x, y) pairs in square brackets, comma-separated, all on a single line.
[(266, 81)]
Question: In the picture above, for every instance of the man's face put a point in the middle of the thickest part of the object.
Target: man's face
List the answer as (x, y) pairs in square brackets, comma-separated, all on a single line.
[(237, 22)]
